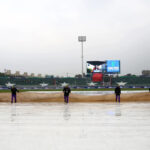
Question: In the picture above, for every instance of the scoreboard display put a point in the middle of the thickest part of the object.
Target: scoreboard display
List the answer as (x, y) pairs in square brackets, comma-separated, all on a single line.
[(113, 66), (105, 67)]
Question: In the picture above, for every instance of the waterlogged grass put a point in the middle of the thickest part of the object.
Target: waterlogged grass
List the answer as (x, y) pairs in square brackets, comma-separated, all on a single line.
[(102, 89)]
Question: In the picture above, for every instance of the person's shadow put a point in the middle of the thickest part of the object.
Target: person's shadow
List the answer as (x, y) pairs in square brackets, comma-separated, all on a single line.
[(67, 114), (117, 110)]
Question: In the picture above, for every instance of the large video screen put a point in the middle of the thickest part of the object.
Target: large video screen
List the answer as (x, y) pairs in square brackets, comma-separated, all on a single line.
[(113, 66), (94, 68), (105, 67)]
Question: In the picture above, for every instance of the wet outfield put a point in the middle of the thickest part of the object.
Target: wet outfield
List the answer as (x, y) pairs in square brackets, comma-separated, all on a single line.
[(75, 126)]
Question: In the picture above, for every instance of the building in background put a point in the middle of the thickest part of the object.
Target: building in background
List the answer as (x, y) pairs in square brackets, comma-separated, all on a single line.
[(7, 72), (25, 74), (146, 73), (17, 73), (39, 75), (32, 75)]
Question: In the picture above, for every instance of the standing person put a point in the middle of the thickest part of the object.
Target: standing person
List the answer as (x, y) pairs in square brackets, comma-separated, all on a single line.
[(149, 89), (13, 94), (66, 91), (118, 92)]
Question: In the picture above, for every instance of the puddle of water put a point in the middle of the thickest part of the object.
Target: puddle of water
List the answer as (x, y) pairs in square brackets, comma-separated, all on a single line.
[(89, 92), (75, 126)]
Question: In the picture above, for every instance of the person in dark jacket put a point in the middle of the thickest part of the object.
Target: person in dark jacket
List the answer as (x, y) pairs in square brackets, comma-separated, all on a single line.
[(66, 91), (118, 92), (13, 94)]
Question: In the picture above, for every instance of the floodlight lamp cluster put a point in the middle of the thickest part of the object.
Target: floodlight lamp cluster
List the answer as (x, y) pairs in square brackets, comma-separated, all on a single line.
[(81, 38)]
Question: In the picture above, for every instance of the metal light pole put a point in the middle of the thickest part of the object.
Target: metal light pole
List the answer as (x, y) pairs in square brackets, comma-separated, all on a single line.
[(82, 39)]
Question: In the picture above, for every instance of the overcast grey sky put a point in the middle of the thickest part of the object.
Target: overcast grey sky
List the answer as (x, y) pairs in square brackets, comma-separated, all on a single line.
[(40, 36)]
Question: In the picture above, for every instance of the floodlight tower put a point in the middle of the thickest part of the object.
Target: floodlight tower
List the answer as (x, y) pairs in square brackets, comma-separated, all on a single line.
[(82, 39)]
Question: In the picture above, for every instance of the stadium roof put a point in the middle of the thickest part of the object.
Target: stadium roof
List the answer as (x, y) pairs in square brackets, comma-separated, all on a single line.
[(96, 62)]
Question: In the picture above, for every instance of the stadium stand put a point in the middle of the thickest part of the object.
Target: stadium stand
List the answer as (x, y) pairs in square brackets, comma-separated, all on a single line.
[(132, 80), (51, 81)]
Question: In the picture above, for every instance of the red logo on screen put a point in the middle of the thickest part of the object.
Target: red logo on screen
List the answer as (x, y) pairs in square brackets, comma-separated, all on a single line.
[(97, 77)]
